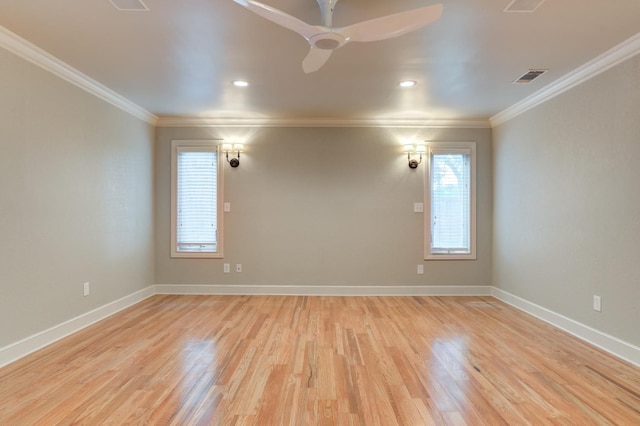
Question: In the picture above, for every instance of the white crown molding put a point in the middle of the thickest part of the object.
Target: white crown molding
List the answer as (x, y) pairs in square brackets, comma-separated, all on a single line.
[(32, 53), (24, 347), (604, 341), (168, 121), (602, 63)]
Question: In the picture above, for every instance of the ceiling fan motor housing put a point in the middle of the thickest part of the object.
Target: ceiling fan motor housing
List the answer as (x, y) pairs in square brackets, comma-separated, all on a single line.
[(327, 41)]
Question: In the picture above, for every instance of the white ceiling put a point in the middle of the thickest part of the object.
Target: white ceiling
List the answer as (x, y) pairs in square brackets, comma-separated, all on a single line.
[(179, 58)]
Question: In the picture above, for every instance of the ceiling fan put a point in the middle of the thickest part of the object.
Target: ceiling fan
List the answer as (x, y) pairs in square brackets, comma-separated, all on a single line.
[(324, 39)]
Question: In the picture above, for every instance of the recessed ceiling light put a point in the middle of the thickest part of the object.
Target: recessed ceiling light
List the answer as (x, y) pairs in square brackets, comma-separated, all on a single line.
[(407, 83), (240, 83)]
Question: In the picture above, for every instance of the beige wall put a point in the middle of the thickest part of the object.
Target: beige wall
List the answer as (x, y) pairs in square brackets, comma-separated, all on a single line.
[(567, 203), (323, 206), (76, 203)]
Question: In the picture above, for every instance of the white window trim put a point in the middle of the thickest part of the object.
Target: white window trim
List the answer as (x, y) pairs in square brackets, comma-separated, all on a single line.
[(214, 145), (428, 255)]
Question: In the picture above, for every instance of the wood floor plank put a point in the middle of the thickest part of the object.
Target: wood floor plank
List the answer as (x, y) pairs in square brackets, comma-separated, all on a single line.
[(300, 360)]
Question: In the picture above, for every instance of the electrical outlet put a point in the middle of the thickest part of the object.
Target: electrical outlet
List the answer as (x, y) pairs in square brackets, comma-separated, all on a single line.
[(418, 207), (227, 207), (238, 267), (597, 303), (85, 288), (227, 268), (420, 269)]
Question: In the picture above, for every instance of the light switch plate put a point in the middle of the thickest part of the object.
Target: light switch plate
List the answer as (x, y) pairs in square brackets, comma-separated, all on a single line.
[(597, 303)]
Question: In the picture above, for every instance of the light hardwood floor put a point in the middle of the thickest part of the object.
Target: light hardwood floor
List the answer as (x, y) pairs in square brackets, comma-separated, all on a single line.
[(320, 360)]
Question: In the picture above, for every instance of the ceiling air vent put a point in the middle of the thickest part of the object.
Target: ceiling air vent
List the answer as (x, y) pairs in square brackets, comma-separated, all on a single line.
[(129, 5), (530, 76), (523, 5)]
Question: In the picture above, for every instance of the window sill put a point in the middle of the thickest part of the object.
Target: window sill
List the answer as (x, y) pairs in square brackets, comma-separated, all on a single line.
[(446, 256), (196, 255)]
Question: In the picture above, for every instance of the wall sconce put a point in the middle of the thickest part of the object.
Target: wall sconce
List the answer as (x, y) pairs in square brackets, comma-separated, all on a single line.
[(238, 148), (412, 151)]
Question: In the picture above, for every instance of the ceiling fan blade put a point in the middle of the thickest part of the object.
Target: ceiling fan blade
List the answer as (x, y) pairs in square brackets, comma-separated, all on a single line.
[(315, 59), (392, 25), (279, 17)]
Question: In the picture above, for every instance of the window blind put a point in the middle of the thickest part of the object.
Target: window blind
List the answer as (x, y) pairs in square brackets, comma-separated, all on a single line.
[(450, 201), (196, 224)]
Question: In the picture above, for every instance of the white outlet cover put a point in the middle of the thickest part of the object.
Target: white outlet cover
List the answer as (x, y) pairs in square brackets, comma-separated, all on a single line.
[(238, 267), (418, 207), (227, 207), (227, 268), (420, 269)]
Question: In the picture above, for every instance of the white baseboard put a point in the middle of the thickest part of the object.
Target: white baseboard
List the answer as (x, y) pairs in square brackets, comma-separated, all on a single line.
[(611, 344), (608, 343), (313, 290), (24, 347)]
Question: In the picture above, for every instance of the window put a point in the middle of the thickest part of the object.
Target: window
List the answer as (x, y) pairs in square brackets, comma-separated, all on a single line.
[(196, 196), (450, 217)]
